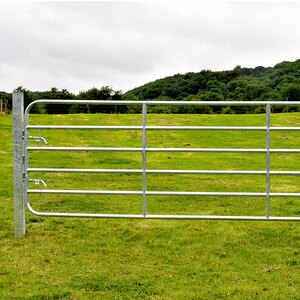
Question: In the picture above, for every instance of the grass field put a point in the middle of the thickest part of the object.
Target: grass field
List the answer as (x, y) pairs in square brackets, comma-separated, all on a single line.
[(74, 258)]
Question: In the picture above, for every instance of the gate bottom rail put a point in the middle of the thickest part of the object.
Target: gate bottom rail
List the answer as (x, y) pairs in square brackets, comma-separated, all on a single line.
[(180, 217), (162, 193)]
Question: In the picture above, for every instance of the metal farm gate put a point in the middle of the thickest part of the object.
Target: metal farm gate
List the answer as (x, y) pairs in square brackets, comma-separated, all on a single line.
[(22, 170)]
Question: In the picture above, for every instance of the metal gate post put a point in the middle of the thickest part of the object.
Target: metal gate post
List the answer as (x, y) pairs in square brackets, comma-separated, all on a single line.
[(18, 149)]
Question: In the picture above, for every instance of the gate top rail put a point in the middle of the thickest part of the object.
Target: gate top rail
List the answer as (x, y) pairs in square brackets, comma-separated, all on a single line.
[(204, 128), (141, 102)]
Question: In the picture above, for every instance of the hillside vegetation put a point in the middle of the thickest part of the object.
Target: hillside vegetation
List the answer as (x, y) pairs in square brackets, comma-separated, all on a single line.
[(282, 82), (278, 83)]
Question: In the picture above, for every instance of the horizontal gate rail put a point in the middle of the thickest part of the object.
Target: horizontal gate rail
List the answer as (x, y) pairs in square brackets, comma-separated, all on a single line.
[(163, 193), (181, 103), (178, 217), (144, 150), (199, 128), (119, 149), (225, 172)]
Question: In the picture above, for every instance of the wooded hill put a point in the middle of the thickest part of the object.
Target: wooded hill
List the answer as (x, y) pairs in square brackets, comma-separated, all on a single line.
[(278, 83), (281, 82)]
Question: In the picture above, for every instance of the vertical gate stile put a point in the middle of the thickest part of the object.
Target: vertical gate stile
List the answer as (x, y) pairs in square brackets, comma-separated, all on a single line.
[(40, 142), (18, 168), (26, 160), (268, 142), (144, 138)]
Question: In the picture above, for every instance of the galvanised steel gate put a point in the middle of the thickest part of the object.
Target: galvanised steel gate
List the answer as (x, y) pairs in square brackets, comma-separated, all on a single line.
[(22, 170)]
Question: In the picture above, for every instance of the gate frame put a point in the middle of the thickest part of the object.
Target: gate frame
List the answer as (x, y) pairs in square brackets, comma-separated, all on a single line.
[(22, 170)]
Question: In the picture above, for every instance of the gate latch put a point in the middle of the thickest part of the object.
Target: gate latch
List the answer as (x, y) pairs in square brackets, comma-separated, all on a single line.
[(38, 181), (38, 139)]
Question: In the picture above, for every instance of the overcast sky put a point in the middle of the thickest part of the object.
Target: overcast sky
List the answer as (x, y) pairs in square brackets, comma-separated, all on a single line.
[(79, 45)]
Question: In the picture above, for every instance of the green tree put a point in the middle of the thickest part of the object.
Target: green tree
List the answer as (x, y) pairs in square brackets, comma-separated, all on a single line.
[(55, 93), (291, 92), (211, 96), (104, 93), (27, 95)]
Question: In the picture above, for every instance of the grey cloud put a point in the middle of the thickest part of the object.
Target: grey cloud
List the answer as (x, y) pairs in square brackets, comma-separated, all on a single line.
[(77, 45)]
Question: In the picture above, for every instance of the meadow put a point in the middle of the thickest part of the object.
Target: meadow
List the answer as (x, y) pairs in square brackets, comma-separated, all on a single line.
[(73, 258)]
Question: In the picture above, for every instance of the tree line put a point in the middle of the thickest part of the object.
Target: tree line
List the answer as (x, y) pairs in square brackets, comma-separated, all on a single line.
[(278, 83)]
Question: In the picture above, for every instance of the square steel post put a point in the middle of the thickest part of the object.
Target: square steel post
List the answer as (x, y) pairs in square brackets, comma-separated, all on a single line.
[(18, 149)]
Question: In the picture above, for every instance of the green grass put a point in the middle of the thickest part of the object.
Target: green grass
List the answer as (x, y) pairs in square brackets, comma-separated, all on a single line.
[(62, 258)]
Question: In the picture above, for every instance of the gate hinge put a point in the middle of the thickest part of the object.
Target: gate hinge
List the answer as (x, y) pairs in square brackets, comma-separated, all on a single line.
[(23, 134), (24, 176), (23, 159)]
